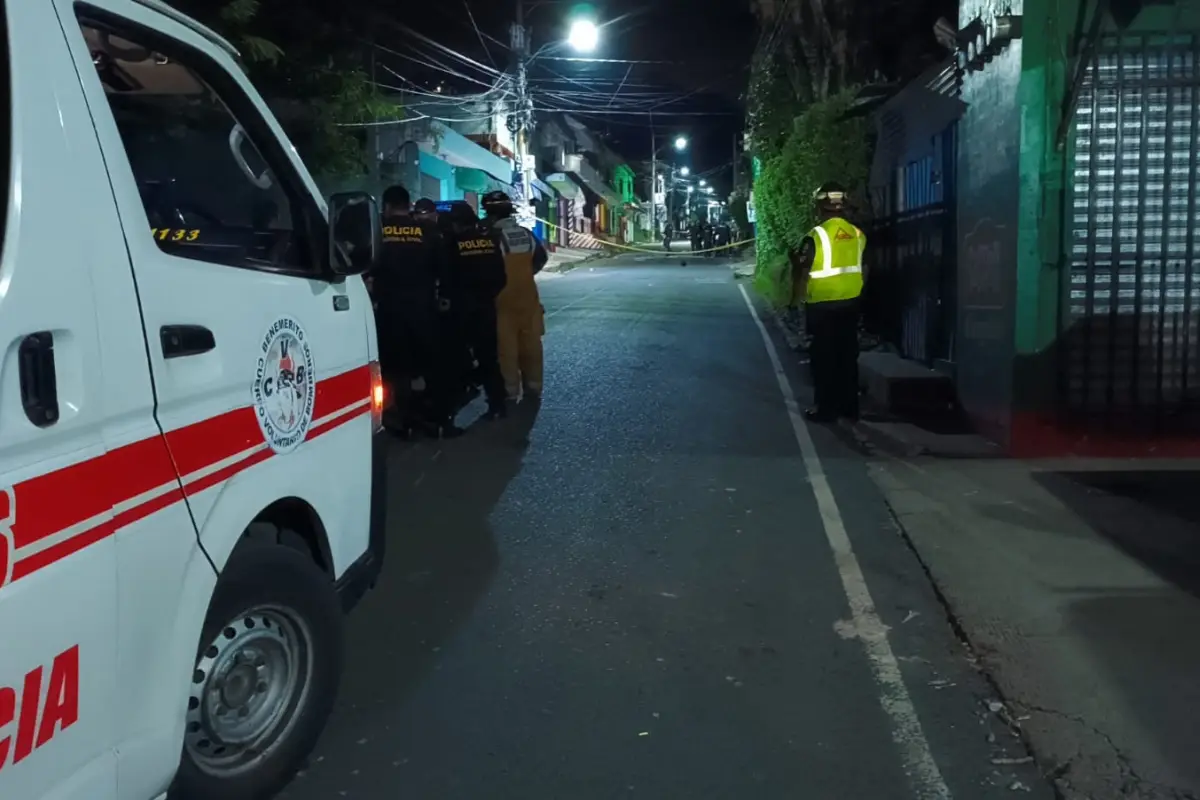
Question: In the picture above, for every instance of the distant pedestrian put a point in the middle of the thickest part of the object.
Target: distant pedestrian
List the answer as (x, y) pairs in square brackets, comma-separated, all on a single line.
[(829, 266)]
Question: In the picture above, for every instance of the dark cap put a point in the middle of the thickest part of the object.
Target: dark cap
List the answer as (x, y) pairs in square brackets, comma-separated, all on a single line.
[(425, 206)]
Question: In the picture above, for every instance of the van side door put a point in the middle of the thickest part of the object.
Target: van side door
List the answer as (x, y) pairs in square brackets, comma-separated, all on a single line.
[(58, 564), (259, 362), (259, 357)]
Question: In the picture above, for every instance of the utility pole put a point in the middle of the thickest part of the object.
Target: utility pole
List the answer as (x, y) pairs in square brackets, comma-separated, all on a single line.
[(524, 112), (653, 181)]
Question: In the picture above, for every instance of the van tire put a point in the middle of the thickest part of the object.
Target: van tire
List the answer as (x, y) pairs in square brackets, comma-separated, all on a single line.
[(279, 595)]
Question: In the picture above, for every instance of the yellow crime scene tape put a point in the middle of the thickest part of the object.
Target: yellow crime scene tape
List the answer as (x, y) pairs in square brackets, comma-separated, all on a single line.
[(648, 250)]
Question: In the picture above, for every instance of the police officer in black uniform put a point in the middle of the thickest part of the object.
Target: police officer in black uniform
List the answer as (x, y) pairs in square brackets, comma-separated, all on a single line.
[(477, 276), (405, 287)]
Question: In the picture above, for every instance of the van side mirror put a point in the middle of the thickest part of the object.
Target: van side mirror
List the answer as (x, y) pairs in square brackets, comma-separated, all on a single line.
[(355, 233)]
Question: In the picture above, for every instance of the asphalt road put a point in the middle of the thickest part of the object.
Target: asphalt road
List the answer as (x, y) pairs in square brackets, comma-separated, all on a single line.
[(640, 589)]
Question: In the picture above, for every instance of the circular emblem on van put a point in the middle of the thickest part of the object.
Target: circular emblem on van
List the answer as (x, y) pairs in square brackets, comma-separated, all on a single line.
[(8, 517), (284, 385)]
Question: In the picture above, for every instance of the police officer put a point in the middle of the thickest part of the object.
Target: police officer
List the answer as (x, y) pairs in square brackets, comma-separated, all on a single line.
[(829, 264), (405, 285), (520, 320), (477, 276), (455, 358)]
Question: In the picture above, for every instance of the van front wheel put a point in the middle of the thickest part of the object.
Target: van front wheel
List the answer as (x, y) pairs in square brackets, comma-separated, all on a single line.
[(265, 677)]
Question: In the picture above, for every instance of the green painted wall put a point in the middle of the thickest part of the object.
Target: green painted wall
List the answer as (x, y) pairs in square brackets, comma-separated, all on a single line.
[(1011, 189), (623, 180), (1049, 34)]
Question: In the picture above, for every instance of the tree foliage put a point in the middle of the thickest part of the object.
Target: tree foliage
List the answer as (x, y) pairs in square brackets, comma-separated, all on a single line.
[(823, 145), (812, 56), (771, 106), (308, 58), (236, 17)]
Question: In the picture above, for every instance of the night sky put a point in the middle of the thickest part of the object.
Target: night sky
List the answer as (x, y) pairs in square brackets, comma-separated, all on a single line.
[(700, 48)]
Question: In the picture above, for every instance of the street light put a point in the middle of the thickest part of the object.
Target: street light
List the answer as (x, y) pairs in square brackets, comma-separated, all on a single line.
[(684, 171), (703, 182), (584, 35), (708, 189), (681, 143)]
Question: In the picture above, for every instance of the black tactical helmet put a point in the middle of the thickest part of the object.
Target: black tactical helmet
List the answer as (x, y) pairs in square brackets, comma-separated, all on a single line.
[(497, 204), (424, 206)]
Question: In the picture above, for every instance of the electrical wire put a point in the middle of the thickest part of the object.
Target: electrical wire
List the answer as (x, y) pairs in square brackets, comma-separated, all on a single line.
[(497, 88), (586, 88), (435, 65), (484, 68), (479, 33), (606, 112), (586, 96)]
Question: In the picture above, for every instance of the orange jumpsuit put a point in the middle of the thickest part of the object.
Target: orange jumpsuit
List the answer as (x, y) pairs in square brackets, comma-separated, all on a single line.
[(520, 319)]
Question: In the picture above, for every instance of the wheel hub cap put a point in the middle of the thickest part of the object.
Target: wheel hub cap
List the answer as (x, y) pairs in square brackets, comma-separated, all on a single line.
[(248, 683)]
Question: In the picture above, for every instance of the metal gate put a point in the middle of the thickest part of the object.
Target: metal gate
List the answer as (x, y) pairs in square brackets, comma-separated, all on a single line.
[(1129, 324), (908, 298)]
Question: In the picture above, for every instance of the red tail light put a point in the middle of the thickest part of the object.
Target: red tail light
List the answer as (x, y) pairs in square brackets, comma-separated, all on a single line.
[(378, 397)]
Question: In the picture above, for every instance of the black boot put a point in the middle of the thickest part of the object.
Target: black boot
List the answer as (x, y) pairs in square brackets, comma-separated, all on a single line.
[(816, 414)]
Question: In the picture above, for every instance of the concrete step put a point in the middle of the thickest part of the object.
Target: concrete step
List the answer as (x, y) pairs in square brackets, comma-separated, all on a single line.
[(898, 386)]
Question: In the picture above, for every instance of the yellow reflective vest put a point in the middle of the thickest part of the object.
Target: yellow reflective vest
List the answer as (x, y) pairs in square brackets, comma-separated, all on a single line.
[(837, 266)]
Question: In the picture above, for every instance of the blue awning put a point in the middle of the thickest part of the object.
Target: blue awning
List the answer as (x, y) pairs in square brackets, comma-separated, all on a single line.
[(542, 188), (459, 151)]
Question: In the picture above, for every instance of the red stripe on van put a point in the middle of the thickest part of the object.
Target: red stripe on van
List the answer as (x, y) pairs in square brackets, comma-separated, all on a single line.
[(53, 502)]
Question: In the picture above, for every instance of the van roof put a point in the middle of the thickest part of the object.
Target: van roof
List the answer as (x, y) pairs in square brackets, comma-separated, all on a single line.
[(185, 20)]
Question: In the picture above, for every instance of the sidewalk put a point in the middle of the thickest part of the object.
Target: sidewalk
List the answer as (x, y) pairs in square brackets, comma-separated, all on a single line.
[(1077, 584), (563, 259)]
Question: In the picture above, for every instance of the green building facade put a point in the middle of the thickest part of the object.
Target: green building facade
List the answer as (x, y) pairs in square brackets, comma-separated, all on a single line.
[(1077, 214)]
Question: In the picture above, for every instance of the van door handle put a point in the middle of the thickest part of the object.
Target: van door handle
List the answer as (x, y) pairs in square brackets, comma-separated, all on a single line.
[(39, 381), (179, 341)]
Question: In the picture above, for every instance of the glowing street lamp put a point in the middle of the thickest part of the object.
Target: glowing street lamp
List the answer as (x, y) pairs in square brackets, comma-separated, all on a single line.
[(584, 35), (703, 182), (684, 171), (708, 189), (681, 143)]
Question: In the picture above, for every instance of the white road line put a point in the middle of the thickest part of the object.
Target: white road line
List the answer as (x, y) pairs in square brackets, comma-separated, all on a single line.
[(919, 765)]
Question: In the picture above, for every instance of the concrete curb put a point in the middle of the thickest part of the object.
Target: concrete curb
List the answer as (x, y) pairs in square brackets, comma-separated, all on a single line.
[(905, 440), (567, 265)]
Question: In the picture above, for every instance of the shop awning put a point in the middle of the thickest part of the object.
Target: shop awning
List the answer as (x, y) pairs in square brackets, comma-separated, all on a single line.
[(459, 151), (542, 189), (566, 187), (592, 181)]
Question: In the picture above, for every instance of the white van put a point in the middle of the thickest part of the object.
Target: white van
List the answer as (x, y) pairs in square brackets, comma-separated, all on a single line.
[(190, 476)]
